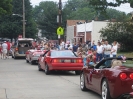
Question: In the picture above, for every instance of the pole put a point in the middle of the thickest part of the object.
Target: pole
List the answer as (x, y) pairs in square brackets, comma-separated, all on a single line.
[(23, 19), (60, 17), (85, 33)]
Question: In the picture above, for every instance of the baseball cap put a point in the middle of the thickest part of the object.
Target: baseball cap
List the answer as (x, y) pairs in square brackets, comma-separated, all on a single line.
[(4, 41)]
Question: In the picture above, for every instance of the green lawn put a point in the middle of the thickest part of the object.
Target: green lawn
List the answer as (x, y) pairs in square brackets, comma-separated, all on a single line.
[(127, 54)]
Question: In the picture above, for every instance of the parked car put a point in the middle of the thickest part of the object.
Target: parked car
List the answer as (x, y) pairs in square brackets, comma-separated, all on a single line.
[(32, 55), (60, 60), (20, 47), (112, 81)]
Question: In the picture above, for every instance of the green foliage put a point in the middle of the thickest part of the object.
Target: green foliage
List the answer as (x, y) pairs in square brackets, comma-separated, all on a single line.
[(11, 26), (118, 15), (121, 32), (46, 17), (82, 10), (78, 10), (5, 7), (101, 5)]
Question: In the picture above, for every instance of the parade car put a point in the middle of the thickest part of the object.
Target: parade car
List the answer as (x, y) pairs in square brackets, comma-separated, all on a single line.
[(32, 55), (63, 60), (112, 78), (20, 47)]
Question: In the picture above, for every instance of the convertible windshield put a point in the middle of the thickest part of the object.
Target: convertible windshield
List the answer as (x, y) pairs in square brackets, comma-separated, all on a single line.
[(62, 54)]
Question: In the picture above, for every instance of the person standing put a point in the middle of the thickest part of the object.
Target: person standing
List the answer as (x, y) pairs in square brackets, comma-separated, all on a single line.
[(1, 50), (4, 49), (99, 50), (8, 48), (75, 48), (107, 50), (114, 49)]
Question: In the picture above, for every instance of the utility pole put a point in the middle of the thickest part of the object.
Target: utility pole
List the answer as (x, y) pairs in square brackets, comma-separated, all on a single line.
[(24, 19), (60, 17)]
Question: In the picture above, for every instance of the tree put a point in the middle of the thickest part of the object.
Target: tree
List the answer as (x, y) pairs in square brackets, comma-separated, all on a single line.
[(46, 18), (5, 6), (11, 26), (121, 32), (101, 5)]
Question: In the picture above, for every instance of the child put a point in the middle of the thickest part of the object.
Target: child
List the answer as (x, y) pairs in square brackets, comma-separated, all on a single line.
[(79, 52), (84, 56), (90, 60)]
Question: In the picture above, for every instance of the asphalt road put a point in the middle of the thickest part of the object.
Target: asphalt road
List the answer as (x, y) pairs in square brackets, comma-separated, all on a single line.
[(20, 80)]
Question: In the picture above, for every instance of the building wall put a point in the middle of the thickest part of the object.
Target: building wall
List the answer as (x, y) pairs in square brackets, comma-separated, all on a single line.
[(70, 33), (97, 26)]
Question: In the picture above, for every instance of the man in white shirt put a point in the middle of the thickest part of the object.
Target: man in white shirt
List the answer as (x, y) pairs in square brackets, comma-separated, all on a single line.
[(114, 49), (99, 50), (107, 50), (4, 49)]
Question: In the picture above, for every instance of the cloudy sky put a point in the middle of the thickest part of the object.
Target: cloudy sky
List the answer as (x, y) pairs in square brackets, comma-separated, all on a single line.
[(124, 7)]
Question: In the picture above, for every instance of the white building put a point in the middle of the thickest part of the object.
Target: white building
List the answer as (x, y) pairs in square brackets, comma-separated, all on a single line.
[(86, 31)]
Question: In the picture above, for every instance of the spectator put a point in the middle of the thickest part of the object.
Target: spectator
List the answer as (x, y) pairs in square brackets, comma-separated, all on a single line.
[(79, 52), (4, 49), (75, 47), (94, 46), (8, 48), (107, 50), (114, 49), (1, 50), (91, 60), (84, 56), (99, 50), (90, 52), (62, 45)]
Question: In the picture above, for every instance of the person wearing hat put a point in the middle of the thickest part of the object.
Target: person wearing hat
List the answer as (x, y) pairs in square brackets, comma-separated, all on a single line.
[(4, 49)]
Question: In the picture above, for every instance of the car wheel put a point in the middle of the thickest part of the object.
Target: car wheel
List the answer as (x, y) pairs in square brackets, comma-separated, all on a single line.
[(32, 62), (77, 72), (47, 70), (39, 67), (82, 82), (105, 90)]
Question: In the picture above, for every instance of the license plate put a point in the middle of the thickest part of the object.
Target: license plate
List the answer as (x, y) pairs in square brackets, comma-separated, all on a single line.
[(67, 61)]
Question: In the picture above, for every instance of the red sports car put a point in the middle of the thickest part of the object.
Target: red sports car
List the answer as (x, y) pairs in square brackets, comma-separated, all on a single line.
[(32, 55), (60, 60), (111, 78)]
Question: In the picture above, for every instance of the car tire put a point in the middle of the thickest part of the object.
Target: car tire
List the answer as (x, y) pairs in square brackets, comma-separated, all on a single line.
[(77, 72), (105, 90), (39, 67), (82, 82), (47, 71), (32, 62)]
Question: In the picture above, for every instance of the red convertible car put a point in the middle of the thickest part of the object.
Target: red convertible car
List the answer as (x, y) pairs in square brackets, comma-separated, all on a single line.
[(60, 60), (32, 55), (111, 78)]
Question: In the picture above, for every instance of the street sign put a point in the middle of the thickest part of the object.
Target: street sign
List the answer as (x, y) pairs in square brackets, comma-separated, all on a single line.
[(60, 31)]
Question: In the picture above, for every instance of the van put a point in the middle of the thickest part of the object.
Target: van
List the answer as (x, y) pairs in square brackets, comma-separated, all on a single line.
[(21, 46)]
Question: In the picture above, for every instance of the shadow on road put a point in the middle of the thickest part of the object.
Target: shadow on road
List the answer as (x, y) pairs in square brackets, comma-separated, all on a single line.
[(63, 73)]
